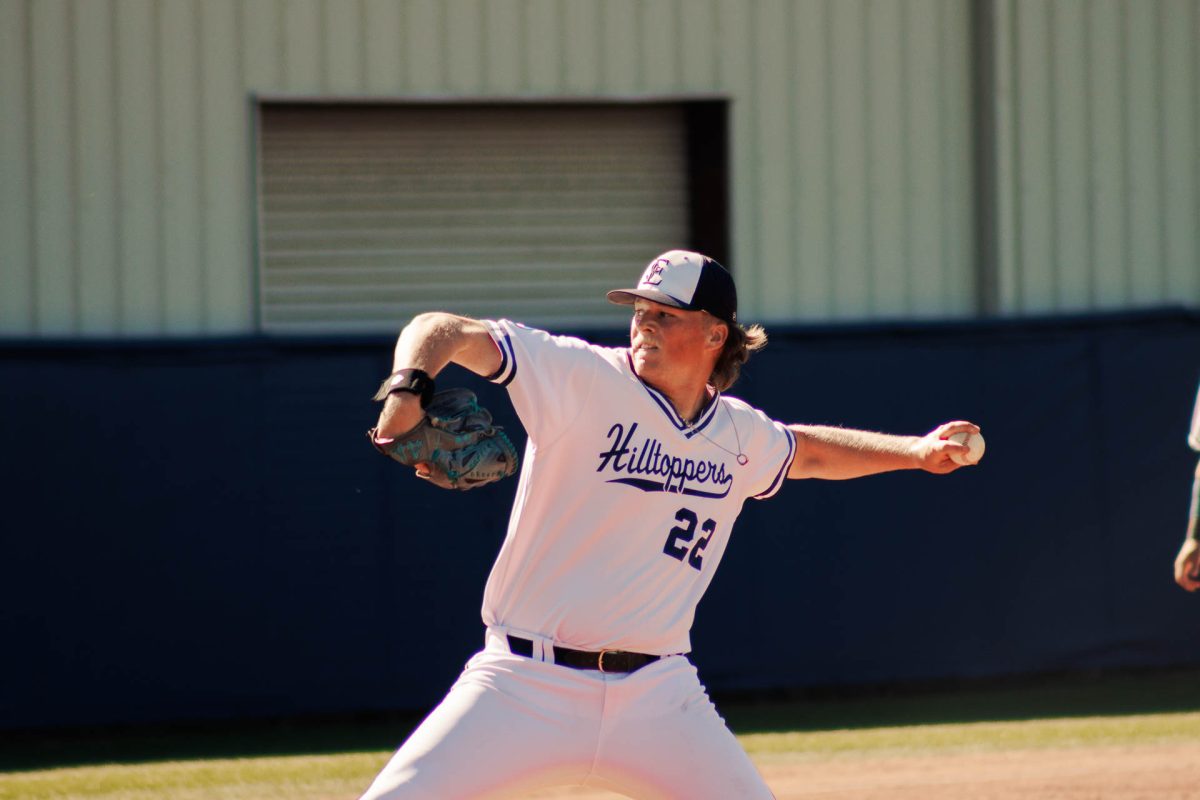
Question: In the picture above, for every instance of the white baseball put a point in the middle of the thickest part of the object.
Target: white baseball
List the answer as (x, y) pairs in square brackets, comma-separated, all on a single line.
[(971, 440)]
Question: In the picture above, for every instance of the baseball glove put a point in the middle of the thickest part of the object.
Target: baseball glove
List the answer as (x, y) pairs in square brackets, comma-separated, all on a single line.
[(456, 443)]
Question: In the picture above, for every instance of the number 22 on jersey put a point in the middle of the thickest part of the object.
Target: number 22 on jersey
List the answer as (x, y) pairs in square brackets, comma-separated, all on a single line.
[(681, 535)]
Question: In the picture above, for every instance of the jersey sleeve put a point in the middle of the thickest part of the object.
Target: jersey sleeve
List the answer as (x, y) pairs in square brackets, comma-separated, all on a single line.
[(771, 448), (781, 453), (1194, 434), (548, 377)]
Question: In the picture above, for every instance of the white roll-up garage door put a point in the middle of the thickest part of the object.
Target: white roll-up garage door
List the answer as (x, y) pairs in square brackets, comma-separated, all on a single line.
[(371, 214)]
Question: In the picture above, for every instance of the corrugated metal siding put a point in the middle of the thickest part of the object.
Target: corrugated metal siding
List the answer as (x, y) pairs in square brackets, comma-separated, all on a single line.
[(853, 186), (126, 204), (372, 214), (126, 197), (1099, 136), (16, 189), (126, 140)]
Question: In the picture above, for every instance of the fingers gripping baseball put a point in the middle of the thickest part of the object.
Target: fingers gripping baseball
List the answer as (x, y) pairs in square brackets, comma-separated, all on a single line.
[(949, 446)]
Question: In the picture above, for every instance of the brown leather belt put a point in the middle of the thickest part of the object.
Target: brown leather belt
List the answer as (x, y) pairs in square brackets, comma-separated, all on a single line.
[(605, 660)]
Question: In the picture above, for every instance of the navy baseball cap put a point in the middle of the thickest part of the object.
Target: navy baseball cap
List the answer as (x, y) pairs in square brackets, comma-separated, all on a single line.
[(687, 280)]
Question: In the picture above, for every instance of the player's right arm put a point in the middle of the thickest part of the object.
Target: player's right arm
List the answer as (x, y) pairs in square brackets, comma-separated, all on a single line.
[(1187, 563), (429, 342), (841, 453)]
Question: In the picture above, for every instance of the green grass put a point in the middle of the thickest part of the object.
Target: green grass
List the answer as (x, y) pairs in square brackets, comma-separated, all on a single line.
[(345, 775), (1055, 711), (1167, 728), (1058, 696), (294, 777), (337, 758)]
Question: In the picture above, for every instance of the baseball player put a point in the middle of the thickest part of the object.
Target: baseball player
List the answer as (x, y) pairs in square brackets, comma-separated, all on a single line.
[(1187, 563), (636, 467)]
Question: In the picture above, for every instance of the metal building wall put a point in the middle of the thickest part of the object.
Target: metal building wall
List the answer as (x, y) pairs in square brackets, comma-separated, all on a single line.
[(126, 204), (126, 169), (126, 139), (1098, 153), (852, 179)]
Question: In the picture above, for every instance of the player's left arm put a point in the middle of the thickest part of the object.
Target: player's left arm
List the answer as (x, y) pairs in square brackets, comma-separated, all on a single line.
[(429, 342), (840, 453)]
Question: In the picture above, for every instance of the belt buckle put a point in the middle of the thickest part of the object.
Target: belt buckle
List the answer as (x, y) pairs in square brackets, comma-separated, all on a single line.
[(600, 660)]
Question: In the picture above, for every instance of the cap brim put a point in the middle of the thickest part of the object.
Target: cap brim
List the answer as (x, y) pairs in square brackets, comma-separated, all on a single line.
[(625, 297)]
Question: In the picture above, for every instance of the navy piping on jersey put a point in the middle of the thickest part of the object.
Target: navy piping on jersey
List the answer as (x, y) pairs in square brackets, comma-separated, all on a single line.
[(688, 430), (508, 357), (787, 463)]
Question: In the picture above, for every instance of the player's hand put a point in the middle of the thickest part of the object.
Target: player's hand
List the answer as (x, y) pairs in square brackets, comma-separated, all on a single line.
[(1187, 565), (933, 451)]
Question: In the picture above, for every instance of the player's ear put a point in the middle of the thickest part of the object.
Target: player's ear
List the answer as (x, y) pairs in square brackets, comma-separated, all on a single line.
[(718, 332)]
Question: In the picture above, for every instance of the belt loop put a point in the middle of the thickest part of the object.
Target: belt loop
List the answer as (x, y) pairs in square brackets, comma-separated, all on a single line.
[(539, 649)]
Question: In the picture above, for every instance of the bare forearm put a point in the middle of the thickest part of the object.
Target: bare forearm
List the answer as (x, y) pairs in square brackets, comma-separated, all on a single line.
[(842, 453), (1193, 530), (428, 343)]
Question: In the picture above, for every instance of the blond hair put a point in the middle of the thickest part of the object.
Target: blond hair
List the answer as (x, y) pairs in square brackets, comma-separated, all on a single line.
[(740, 343)]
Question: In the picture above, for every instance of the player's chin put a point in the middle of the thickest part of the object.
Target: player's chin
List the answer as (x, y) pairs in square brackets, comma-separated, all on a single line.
[(645, 357)]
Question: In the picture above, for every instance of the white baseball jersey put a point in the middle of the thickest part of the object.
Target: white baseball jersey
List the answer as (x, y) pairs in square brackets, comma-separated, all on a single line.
[(623, 510), (1194, 435)]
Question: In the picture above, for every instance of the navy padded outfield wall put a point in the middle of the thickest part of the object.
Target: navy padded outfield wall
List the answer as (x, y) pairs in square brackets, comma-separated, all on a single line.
[(200, 530)]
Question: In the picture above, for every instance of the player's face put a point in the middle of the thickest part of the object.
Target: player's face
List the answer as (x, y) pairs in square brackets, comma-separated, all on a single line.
[(669, 342)]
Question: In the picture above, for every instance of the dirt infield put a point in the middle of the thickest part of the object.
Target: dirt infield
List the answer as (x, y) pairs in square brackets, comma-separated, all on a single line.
[(1163, 772)]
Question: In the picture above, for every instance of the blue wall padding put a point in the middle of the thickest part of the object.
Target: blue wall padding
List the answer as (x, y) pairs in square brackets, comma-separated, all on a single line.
[(200, 530)]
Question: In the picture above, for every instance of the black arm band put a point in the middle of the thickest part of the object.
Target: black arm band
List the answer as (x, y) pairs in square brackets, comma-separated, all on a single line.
[(414, 381)]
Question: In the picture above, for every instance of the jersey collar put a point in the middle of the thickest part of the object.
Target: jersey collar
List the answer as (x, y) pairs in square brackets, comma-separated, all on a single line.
[(687, 429)]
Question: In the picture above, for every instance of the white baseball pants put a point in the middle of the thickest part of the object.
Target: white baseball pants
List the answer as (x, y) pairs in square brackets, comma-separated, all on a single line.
[(512, 724)]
